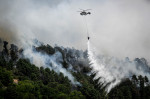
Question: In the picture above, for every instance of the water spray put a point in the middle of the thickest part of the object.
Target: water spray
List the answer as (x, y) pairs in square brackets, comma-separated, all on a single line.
[(110, 71)]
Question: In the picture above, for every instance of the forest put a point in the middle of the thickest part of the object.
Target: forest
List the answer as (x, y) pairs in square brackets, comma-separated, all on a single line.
[(20, 79)]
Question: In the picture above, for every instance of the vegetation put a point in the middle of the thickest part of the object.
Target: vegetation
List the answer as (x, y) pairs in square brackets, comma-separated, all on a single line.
[(34, 82)]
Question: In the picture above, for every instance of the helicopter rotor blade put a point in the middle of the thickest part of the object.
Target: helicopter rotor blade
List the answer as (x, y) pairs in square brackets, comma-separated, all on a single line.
[(87, 9), (81, 9)]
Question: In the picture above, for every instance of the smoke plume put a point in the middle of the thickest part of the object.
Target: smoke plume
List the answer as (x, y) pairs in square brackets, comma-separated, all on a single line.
[(20, 24), (50, 61), (121, 26)]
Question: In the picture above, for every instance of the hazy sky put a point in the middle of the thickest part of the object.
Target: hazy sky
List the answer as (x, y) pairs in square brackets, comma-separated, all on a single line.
[(117, 27)]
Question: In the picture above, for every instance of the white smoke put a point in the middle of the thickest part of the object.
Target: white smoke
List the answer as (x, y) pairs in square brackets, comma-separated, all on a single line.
[(111, 70), (51, 61), (118, 25)]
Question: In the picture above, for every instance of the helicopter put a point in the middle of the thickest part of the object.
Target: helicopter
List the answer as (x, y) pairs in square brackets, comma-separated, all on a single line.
[(84, 12)]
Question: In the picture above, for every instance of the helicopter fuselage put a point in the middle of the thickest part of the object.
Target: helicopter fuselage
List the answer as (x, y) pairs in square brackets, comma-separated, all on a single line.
[(84, 13)]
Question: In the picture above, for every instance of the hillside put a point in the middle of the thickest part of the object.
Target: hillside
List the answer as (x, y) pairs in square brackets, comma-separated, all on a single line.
[(21, 79)]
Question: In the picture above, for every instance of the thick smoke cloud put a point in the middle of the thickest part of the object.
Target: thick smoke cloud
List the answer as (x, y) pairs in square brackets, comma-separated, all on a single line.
[(121, 27)]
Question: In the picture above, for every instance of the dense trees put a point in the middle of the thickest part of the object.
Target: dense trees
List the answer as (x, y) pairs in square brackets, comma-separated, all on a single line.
[(137, 88), (42, 83), (46, 49), (35, 83), (5, 77)]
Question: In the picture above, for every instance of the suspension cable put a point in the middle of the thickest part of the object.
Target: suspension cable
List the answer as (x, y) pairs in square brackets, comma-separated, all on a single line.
[(87, 30)]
